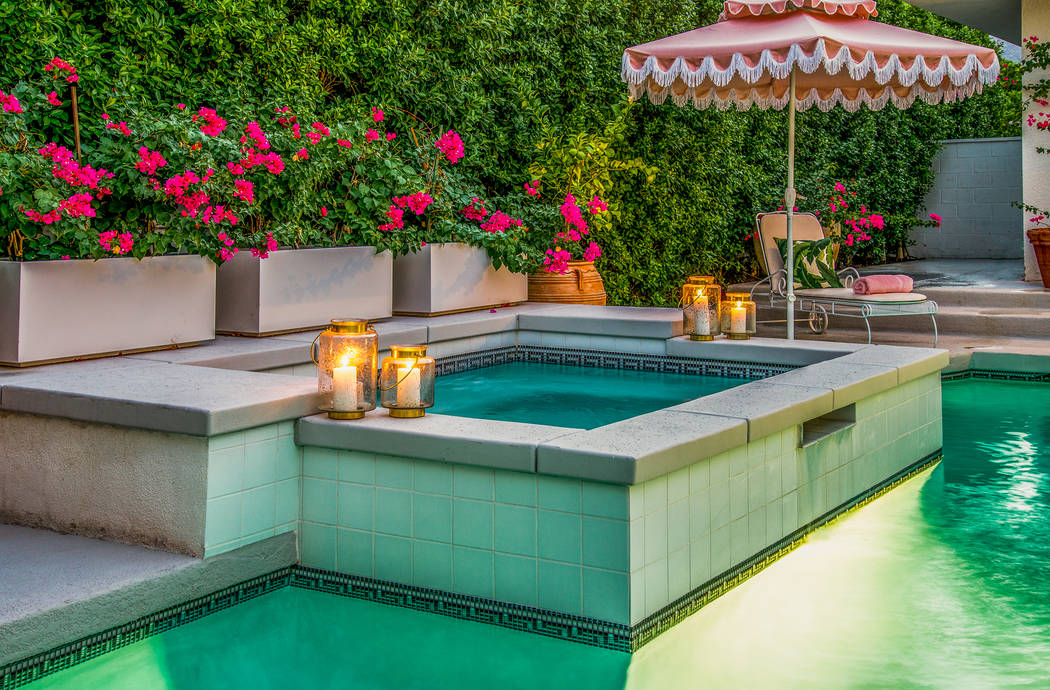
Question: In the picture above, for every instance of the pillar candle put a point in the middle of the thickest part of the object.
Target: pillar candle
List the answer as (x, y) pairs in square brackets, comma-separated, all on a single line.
[(738, 319), (408, 386), (345, 389)]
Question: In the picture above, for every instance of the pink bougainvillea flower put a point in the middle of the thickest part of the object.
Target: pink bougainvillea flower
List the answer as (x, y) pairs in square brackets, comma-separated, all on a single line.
[(936, 219), (254, 132), (244, 189), (877, 221), (417, 202), (839, 187), (271, 246), (302, 154), (592, 252), (115, 243), (475, 210), (149, 161), (572, 214), (181, 106), (390, 136), (396, 216), (212, 125), (556, 261), (371, 135), (451, 146), (10, 103), (377, 114), (65, 257), (596, 205), (532, 188), (498, 222), (344, 143), (121, 126), (324, 211), (52, 98), (235, 168), (59, 65)]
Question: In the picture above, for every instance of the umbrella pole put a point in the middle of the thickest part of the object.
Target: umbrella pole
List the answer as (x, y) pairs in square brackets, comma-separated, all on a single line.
[(789, 204)]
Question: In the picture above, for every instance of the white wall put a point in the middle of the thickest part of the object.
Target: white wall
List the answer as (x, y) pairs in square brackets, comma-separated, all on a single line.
[(1035, 21)]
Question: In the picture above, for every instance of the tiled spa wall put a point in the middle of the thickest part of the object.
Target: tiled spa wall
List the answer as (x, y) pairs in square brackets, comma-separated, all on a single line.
[(607, 551)]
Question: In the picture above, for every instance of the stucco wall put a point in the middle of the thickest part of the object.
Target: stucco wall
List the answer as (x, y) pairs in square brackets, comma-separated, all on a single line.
[(977, 182), (1035, 21)]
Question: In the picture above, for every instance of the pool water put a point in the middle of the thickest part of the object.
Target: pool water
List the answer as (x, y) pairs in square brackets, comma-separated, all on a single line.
[(565, 395), (941, 583)]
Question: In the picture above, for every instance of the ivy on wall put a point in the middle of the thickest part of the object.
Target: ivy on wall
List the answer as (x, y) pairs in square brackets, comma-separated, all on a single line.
[(498, 71)]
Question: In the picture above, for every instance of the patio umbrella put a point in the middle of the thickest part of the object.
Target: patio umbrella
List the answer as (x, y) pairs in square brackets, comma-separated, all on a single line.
[(804, 53)]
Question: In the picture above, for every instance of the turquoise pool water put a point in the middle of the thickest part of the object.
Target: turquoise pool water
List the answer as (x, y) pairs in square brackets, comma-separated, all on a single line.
[(942, 583), (570, 396)]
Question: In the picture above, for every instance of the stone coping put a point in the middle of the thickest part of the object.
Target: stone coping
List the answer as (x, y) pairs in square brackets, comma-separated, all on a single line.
[(764, 350), (460, 440), (158, 396), (586, 319)]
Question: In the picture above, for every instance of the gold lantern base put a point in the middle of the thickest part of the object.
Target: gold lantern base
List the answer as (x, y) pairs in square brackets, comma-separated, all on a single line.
[(346, 415), (406, 413), (701, 337), (738, 336)]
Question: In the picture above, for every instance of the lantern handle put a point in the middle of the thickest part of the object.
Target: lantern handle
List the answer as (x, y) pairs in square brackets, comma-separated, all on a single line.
[(399, 382), (312, 358)]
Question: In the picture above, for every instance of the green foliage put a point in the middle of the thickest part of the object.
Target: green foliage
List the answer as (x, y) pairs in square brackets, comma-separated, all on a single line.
[(497, 70), (814, 267)]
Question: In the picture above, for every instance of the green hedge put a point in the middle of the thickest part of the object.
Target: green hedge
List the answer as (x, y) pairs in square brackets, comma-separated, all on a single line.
[(498, 70)]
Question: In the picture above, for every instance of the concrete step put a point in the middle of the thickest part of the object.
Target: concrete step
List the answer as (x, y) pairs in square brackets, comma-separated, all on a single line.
[(1024, 298)]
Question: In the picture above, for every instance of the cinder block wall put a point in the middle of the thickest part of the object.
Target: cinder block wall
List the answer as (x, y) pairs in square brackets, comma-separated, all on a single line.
[(977, 182)]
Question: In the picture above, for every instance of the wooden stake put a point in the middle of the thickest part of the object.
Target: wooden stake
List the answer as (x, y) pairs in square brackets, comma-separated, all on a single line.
[(76, 120)]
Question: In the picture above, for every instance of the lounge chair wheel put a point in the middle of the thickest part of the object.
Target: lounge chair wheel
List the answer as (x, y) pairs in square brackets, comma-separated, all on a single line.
[(818, 319)]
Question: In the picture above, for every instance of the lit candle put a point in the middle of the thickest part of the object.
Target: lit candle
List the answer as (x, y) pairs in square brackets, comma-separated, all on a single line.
[(738, 319), (703, 317), (345, 393), (408, 387)]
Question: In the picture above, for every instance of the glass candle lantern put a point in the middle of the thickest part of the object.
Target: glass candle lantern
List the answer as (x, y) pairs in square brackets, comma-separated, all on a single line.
[(406, 382), (700, 280), (700, 309), (738, 315), (346, 368)]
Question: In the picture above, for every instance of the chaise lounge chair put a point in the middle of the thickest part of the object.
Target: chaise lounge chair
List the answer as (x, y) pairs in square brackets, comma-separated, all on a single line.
[(822, 303)]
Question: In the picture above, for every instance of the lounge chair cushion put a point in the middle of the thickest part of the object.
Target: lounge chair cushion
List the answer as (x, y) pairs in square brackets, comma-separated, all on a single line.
[(847, 295)]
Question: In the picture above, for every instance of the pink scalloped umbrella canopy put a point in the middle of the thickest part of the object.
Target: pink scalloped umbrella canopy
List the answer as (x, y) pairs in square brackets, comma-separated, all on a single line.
[(840, 55)]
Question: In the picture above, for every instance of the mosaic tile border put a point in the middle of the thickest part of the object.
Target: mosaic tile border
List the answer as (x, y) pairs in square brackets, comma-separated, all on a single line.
[(990, 374), (609, 360), (20, 673), (672, 614), (589, 631)]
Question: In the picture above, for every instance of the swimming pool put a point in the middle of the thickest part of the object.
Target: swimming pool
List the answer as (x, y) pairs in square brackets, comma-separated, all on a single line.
[(566, 395), (940, 583)]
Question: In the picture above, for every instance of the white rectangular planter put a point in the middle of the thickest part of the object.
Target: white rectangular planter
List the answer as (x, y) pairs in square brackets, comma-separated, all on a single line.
[(300, 289), (451, 277), (60, 310)]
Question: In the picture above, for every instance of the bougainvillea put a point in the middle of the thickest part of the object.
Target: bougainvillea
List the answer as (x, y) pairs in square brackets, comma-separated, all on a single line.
[(451, 146)]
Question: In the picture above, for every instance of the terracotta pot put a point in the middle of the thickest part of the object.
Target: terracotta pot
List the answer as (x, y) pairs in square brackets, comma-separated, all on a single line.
[(1040, 239), (581, 284)]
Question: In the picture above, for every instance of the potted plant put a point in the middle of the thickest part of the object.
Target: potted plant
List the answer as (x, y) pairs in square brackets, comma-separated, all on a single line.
[(70, 260), (256, 191), (567, 204), (1037, 57), (454, 254)]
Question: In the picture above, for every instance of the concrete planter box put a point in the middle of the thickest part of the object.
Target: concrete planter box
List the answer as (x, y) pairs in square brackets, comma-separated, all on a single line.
[(451, 277), (301, 289), (60, 310)]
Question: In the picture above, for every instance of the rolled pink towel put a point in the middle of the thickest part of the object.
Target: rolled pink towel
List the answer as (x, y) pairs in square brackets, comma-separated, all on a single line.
[(881, 285)]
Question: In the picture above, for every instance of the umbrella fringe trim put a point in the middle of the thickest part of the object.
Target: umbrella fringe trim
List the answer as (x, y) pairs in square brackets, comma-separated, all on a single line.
[(743, 102), (738, 10), (767, 63)]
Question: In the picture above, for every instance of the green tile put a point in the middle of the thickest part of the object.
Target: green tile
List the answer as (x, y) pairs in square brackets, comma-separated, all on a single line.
[(515, 579), (394, 512), (356, 503), (655, 494), (655, 536), (699, 514), (319, 500), (700, 561), (285, 428), (606, 595), (559, 536), (289, 458), (472, 571), (516, 487), (738, 461), (559, 493), (678, 525), (678, 485), (393, 472), (699, 476), (354, 552), (266, 432), (515, 530), (393, 558), (559, 587), (473, 482), (472, 523), (432, 517), (317, 546), (756, 487), (258, 510), (606, 543), (432, 477), (432, 565), (260, 463), (357, 467), (321, 463), (287, 501), (605, 500), (223, 441), (678, 573), (225, 471), (222, 519)]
